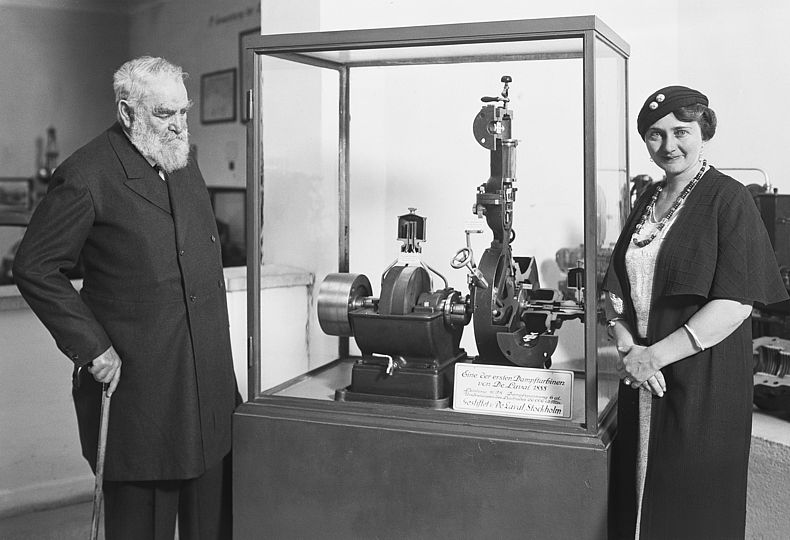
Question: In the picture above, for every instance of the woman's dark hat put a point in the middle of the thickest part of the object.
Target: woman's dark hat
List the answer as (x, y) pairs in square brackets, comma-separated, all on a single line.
[(664, 101)]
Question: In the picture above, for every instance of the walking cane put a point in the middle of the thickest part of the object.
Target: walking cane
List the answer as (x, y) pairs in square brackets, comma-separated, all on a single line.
[(97, 490)]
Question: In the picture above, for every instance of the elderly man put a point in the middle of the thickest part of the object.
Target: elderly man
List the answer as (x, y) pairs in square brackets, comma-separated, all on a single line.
[(151, 318)]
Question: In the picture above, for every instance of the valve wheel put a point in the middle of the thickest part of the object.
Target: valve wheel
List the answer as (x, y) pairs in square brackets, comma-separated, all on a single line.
[(461, 258)]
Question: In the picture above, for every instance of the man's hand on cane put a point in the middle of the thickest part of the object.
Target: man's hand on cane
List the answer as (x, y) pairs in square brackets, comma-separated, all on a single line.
[(106, 368)]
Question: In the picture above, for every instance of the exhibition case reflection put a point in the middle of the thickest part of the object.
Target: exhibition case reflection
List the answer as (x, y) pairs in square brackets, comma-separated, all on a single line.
[(456, 202)]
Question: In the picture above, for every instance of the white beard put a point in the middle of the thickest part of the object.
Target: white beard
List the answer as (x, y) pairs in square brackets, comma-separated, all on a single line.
[(169, 151)]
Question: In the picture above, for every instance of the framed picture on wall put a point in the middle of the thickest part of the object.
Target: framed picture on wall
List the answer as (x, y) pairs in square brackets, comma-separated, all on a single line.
[(245, 70), (218, 96), (15, 194)]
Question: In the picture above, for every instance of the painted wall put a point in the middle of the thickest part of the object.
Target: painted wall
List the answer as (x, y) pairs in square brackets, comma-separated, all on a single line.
[(58, 57), (40, 456), (738, 56), (57, 67), (732, 51), (40, 459), (62, 62), (444, 166), (670, 44), (203, 37)]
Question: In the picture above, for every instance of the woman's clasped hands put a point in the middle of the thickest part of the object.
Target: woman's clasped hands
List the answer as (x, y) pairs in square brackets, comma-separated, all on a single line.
[(636, 366)]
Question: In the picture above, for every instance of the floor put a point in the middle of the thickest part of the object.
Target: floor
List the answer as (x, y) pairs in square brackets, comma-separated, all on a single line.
[(63, 523)]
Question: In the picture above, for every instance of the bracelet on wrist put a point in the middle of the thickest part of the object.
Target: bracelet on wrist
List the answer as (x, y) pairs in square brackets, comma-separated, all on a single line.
[(610, 326), (694, 337)]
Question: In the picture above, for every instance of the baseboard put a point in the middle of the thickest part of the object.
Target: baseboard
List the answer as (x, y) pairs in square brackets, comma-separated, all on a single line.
[(46, 495)]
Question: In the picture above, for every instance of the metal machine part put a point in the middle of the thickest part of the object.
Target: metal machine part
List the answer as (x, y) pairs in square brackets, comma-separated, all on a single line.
[(338, 295), (411, 231), (772, 358), (771, 373), (514, 319), (410, 336), (345, 308)]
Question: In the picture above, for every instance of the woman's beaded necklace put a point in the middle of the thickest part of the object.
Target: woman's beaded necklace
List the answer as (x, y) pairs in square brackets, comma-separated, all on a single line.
[(652, 206)]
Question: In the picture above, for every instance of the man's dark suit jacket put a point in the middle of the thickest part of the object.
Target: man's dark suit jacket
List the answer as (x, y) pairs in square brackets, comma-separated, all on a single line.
[(153, 288)]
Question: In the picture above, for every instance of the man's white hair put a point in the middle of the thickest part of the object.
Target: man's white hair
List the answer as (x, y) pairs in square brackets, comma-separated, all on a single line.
[(131, 79)]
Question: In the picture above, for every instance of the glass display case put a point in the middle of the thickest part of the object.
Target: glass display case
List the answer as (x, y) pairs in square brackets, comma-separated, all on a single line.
[(455, 191)]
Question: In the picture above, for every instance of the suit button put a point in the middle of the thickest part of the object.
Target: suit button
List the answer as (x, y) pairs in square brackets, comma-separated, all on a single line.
[(213, 238), (193, 297), (181, 252), (220, 283)]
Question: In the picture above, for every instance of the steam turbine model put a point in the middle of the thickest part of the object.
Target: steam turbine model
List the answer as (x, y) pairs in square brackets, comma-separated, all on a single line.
[(410, 336)]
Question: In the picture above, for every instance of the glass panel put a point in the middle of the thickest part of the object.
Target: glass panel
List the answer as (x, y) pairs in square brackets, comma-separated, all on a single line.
[(300, 212), (411, 146), (471, 52), (612, 190)]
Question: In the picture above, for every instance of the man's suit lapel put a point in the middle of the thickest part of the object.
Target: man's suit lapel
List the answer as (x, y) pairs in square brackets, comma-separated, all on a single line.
[(140, 176), (151, 188)]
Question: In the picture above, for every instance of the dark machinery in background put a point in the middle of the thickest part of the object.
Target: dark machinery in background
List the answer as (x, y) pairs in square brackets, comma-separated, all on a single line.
[(771, 324), (771, 373), (410, 335)]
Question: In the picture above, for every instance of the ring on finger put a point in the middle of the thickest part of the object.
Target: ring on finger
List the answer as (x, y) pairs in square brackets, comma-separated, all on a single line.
[(627, 381)]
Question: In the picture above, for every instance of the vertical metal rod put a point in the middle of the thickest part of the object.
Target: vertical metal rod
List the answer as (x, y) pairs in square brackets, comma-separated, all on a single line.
[(255, 179), (343, 188), (590, 237)]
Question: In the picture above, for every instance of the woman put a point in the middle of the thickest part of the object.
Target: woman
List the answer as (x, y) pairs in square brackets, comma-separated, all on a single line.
[(692, 259)]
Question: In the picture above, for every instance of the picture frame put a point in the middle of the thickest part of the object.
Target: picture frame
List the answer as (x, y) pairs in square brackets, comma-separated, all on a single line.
[(16, 194), (245, 70), (218, 96)]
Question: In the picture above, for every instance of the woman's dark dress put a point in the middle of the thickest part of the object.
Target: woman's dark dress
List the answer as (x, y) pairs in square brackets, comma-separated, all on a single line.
[(700, 431)]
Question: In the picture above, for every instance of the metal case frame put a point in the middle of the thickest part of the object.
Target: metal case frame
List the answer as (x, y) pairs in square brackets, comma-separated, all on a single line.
[(320, 49), (308, 468)]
